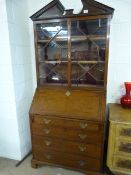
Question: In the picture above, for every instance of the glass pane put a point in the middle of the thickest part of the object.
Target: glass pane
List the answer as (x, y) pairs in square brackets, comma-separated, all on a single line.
[(88, 47), (52, 52), (50, 30), (85, 74), (54, 73), (90, 27)]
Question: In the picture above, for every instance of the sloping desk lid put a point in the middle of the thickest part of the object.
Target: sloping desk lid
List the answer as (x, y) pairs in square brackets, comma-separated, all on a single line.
[(76, 103), (56, 10)]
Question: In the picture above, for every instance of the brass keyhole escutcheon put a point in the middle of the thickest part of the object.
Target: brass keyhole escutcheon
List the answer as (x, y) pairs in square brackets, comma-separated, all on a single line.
[(47, 143), (68, 93)]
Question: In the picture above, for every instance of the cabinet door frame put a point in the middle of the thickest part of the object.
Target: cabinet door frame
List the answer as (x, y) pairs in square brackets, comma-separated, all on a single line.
[(36, 45)]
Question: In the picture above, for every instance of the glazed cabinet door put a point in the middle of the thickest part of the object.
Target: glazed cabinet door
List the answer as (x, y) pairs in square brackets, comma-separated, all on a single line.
[(88, 51), (52, 51)]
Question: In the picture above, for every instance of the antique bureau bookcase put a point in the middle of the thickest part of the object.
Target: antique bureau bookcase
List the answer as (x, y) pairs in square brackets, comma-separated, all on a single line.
[(68, 108)]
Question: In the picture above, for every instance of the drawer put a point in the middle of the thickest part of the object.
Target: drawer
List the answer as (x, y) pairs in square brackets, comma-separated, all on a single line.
[(69, 160), (123, 130), (122, 163), (68, 134), (67, 123), (90, 150), (123, 147)]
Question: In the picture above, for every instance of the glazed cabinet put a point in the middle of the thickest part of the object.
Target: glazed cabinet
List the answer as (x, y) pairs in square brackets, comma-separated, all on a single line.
[(72, 52), (68, 108)]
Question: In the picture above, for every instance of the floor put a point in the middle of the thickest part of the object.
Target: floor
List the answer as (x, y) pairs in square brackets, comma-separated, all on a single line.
[(7, 167)]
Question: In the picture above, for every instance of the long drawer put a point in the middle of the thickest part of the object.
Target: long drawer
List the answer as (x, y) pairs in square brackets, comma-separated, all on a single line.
[(67, 123), (69, 160), (65, 133), (123, 147), (90, 150), (123, 130), (122, 163)]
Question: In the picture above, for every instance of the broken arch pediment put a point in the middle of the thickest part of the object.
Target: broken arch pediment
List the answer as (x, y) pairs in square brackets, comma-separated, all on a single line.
[(55, 9)]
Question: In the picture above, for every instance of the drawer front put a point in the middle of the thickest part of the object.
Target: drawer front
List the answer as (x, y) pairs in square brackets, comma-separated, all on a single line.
[(42, 143), (123, 147), (122, 163), (69, 160), (124, 130), (67, 123), (65, 133)]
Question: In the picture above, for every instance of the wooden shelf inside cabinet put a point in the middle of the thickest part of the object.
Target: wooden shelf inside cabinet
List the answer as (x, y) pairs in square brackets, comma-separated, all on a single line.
[(72, 61), (81, 86), (74, 38), (53, 62), (88, 37)]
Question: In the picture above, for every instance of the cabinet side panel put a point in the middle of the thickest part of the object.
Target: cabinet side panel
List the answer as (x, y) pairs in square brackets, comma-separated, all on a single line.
[(111, 145)]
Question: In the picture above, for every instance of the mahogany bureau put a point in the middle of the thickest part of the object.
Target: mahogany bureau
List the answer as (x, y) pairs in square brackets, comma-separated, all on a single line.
[(67, 115)]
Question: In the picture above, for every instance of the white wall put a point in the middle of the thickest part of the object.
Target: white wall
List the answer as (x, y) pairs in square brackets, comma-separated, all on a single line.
[(120, 43), (9, 136), (16, 86), (17, 12)]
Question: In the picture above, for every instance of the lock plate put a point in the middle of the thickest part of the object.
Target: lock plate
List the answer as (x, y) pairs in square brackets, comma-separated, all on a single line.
[(68, 93)]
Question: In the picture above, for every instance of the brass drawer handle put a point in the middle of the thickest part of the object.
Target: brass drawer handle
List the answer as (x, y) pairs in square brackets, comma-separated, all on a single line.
[(82, 136), (46, 121), (46, 131), (83, 125), (49, 157), (82, 148), (47, 143), (81, 163)]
